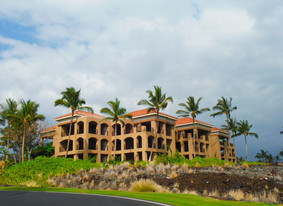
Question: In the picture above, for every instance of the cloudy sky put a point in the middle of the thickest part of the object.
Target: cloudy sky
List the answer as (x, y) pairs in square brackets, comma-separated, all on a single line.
[(122, 48)]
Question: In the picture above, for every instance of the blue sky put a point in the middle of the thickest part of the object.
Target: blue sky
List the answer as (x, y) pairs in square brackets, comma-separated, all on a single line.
[(122, 48)]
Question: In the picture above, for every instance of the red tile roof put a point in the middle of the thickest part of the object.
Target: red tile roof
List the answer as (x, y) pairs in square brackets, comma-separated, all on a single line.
[(217, 129), (190, 120), (144, 112), (83, 113), (49, 129)]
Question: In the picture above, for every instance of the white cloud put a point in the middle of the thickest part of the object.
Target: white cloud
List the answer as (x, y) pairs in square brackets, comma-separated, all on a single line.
[(120, 49)]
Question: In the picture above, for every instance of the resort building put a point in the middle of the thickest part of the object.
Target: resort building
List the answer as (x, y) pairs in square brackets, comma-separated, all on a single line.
[(92, 136)]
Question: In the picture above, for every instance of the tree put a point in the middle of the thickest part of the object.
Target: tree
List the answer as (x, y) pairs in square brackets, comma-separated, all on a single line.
[(156, 101), (7, 112), (71, 99), (191, 107), (244, 128), (224, 106), (281, 153), (116, 114), (281, 132), (27, 115), (261, 156), (232, 125)]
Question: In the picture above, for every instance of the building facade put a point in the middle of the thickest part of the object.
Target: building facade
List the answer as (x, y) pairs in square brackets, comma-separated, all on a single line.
[(91, 136)]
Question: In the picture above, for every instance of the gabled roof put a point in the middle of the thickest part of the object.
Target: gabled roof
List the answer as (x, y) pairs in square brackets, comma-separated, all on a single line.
[(79, 113), (144, 112)]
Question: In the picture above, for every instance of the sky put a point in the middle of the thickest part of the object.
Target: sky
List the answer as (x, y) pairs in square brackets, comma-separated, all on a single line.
[(118, 48)]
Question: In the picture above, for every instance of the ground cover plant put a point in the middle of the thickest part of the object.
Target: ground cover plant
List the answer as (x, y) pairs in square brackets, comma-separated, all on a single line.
[(37, 171), (169, 174), (167, 198)]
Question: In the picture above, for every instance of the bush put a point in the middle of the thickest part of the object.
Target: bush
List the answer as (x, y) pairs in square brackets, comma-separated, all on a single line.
[(146, 186), (197, 161), (41, 168)]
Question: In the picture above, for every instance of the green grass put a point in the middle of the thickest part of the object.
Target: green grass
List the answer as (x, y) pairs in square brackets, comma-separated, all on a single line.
[(40, 169), (167, 198)]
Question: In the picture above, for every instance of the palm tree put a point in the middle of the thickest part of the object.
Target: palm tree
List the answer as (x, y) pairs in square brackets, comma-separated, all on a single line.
[(7, 112), (261, 156), (71, 99), (224, 106), (281, 132), (191, 107), (27, 115), (232, 125), (116, 114), (244, 128), (156, 102)]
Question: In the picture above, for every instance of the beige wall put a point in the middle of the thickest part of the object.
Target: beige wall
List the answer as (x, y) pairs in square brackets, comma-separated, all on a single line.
[(204, 137)]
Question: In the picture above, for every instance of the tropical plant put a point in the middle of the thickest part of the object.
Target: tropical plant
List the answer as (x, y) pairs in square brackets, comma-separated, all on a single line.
[(244, 128), (232, 126), (281, 153), (7, 112), (27, 115), (224, 106), (156, 101), (281, 132), (71, 99), (116, 114), (261, 156), (191, 108)]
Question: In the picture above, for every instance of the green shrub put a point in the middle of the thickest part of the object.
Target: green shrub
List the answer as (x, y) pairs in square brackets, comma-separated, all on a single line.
[(41, 168), (197, 161)]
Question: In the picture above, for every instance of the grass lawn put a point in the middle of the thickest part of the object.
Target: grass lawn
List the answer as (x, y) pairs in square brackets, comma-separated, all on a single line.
[(168, 198)]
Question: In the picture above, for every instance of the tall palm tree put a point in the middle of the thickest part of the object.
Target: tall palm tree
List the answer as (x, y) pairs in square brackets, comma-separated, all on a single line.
[(224, 106), (116, 114), (232, 126), (7, 112), (156, 101), (244, 128), (27, 115), (71, 99), (191, 107)]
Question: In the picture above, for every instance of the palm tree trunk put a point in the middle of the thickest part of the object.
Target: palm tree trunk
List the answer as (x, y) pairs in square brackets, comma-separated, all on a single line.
[(115, 140), (8, 142), (194, 142), (67, 149), (228, 140), (154, 139), (23, 143), (246, 148)]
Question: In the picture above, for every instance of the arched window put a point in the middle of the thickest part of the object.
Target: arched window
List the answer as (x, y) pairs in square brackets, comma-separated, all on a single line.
[(139, 142), (128, 128), (92, 143), (104, 143), (80, 143), (81, 128), (92, 127), (103, 129), (129, 143)]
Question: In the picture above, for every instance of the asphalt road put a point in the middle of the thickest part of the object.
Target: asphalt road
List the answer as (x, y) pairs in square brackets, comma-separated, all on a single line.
[(25, 198)]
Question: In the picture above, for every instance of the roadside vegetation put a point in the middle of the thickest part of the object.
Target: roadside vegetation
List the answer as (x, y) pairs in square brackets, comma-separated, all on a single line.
[(37, 171)]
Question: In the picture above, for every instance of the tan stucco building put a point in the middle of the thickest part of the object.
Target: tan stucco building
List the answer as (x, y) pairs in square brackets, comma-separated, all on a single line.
[(93, 136)]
